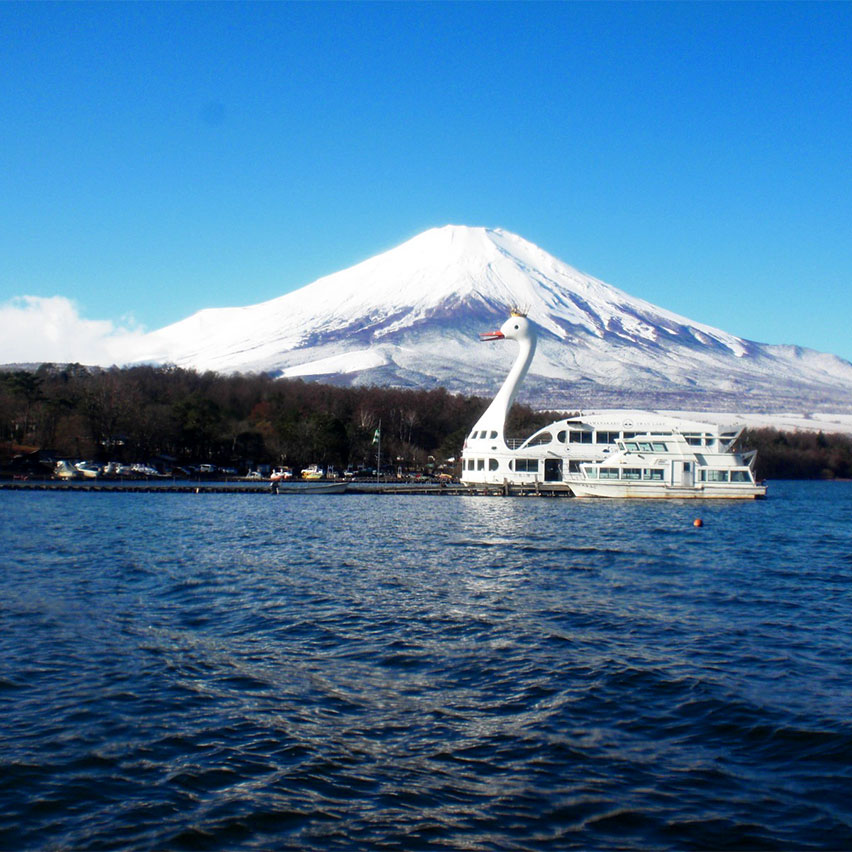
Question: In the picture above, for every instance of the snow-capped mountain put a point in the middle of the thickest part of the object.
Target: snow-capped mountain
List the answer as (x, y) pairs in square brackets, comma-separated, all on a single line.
[(411, 317)]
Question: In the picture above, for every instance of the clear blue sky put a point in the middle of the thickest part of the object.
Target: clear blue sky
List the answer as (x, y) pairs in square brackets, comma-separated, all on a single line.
[(160, 158)]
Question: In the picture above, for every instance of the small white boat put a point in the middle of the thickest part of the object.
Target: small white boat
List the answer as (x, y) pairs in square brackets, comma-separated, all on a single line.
[(309, 488), (88, 469), (312, 472), (667, 465), (65, 470)]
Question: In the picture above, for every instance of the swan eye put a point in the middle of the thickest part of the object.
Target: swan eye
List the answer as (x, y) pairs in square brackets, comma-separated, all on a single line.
[(517, 327)]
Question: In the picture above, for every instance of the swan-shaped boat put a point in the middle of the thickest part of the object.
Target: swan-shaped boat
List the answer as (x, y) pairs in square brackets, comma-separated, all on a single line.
[(619, 453)]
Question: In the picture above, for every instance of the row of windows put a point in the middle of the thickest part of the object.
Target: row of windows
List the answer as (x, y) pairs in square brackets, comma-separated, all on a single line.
[(697, 440), (645, 446), (576, 436), (648, 474), (518, 465), (583, 436), (479, 464), (655, 474), (722, 476)]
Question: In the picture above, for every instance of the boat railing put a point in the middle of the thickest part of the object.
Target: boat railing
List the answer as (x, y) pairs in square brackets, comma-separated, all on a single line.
[(514, 443)]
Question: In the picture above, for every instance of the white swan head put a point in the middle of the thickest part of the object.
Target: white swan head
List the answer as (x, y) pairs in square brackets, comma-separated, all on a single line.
[(517, 327)]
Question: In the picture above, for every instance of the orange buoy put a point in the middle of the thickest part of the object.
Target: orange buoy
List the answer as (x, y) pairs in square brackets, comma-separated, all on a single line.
[(698, 522)]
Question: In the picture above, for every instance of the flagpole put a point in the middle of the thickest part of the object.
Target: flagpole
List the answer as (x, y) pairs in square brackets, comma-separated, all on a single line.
[(379, 453)]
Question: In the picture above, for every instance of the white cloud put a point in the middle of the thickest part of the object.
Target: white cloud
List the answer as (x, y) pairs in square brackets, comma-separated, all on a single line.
[(37, 329)]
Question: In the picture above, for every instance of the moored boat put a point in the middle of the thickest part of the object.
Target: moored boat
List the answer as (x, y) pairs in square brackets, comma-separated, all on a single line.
[(667, 465), (311, 488), (579, 451)]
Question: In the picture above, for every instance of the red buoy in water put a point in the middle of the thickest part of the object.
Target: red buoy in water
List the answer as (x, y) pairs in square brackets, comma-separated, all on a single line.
[(698, 522)]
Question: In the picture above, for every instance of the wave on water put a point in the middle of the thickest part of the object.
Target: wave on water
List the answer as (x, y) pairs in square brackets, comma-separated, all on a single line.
[(394, 675)]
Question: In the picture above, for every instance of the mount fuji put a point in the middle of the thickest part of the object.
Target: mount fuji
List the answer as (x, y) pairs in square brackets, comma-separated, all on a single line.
[(410, 317)]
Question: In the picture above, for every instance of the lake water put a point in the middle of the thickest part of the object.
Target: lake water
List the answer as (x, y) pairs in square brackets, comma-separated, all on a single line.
[(235, 671)]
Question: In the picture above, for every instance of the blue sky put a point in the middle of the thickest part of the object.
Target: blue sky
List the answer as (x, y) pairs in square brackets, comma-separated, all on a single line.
[(159, 158)]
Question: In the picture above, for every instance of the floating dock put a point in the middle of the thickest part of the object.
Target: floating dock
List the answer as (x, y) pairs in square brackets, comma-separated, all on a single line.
[(540, 489)]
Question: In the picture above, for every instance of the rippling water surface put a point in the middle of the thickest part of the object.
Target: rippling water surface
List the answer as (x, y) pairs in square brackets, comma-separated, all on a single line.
[(407, 672)]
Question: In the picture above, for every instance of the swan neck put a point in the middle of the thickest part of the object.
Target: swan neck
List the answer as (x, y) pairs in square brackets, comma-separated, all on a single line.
[(494, 418)]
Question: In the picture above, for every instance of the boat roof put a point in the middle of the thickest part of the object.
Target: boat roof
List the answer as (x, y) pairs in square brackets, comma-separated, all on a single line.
[(646, 421)]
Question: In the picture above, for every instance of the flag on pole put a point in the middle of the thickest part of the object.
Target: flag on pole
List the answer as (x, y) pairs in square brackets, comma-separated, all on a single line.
[(376, 436)]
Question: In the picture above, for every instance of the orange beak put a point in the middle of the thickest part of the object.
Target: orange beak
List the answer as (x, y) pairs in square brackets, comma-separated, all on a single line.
[(491, 335)]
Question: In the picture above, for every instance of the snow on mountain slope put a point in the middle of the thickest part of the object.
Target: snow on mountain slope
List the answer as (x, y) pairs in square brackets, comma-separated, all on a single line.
[(410, 317)]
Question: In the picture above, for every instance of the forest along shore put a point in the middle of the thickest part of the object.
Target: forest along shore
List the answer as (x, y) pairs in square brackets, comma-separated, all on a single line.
[(171, 417)]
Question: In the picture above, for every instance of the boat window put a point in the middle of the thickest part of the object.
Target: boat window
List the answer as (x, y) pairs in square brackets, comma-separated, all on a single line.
[(609, 473), (561, 436), (470, 464), (652, 474), (526, 465), (475, 435), (578, 436), (627, 435), (493, 434), (693, 440), (541, 438), (631, 473), (592, 472), (632, 446), (740, 476), (480, 464), (645, 446), (659, 447), (606, 437), (574, 464), (492, 464), (717, 475)]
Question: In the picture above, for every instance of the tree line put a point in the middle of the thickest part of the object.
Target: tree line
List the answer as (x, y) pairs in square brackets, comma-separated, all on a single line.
[(799, 455), (242, 421), (145, 413)]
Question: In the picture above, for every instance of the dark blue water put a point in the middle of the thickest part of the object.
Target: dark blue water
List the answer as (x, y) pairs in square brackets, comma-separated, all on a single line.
[(183, 671)]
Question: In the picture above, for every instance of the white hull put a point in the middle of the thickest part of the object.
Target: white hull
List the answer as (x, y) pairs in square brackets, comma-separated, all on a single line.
[(656, 491), (309, 487)]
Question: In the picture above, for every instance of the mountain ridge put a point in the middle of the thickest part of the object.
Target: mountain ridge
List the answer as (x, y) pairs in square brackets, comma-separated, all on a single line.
[(410, 317)]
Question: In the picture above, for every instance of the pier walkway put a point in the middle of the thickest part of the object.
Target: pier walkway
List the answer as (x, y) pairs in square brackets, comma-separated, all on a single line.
[(541, 489)]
